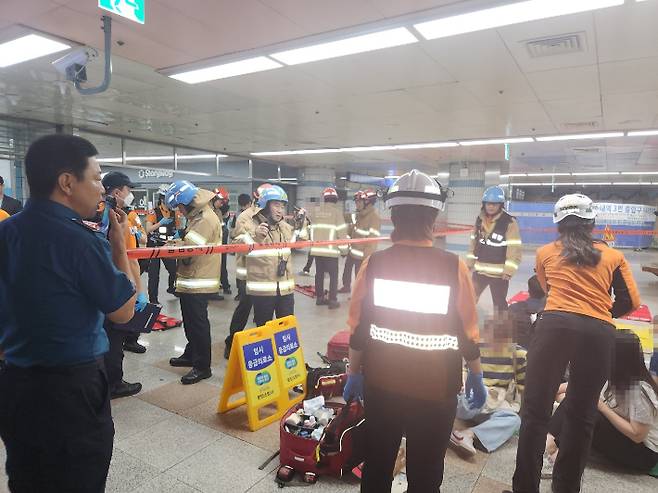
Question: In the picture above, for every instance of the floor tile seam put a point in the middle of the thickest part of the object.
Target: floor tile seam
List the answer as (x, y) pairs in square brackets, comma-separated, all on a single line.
[(193, 454)]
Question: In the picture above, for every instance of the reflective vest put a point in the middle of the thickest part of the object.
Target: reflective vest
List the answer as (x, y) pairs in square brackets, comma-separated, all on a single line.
[(492, 249), (414, 328)]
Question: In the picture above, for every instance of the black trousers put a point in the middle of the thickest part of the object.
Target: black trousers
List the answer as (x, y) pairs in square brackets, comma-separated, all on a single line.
[(350, 262), (497, 286), (194, 308), (241, 313), (223, 278), (57, 428), (154, 276), (587, 345), (265, 307), (327, 265), (427, 426), (114, 357), (309, 262), (610, 442)]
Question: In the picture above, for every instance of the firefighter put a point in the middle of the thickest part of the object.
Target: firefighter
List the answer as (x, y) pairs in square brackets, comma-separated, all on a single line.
[(576, 329), (270, 281), (242, 311), (161, 226), (494, 254), (413, 319), (365, 224), (197, 277), (327, 224), (221, 204), (118, 185)]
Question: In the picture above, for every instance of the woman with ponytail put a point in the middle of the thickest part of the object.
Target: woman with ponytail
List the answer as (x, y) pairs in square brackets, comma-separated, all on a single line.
[(588, 284)]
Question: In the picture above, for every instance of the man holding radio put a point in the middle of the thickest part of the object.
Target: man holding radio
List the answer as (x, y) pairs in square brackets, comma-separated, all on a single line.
[(270, 280)]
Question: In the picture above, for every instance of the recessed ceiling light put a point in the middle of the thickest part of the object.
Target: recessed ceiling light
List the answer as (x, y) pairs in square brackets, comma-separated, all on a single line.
[(513, 140), (28, 48), (226, 70), (600, 135), (506, 15), (583, 184), (596, 173), (642, 133), (367, 148), (548, 174), (349, 46), (639, 172)]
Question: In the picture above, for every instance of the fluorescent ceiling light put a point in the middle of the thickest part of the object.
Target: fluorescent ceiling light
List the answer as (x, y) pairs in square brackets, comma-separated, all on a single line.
[(594, 183), (596, 173), (367, 148), (528, 184), (110, 160), (629, 183), (642, 133), (349, 46), (186, 157), (506, 15), (226, 70), (600, 135), (429, 145), (548, 174), (28, 48), (561, 184), (516, 175), (190, 157), (639, 172), (514, 140), (182, 172), (293, 153)]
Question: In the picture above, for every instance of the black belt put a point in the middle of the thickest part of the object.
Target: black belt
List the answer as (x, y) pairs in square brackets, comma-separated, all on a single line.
[(57, 370)]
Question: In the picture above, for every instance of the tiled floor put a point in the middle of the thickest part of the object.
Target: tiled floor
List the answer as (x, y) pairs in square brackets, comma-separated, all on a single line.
[(170, 439)]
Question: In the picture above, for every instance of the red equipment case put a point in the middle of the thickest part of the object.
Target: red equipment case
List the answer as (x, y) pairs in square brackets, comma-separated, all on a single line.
[(338, 346)]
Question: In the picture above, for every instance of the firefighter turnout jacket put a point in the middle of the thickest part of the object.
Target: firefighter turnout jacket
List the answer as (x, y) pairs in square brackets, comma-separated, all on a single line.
[(365, 224), (237, 236), (327, 224), (263, 278), (200, 274), (495, 248), (413, 315)]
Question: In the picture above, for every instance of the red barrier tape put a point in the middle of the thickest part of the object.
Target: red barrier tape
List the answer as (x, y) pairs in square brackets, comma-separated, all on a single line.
[(194, 251)]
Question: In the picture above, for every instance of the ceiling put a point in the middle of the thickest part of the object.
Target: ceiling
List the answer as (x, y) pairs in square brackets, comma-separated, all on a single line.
[(478, 85)]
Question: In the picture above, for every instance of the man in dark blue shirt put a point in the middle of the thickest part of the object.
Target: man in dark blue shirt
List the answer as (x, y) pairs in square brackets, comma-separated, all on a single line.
[(58, 281)]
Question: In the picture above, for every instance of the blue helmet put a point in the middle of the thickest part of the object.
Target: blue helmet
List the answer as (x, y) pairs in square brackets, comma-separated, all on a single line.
[(275, 192), (494, 195), (180, 192)]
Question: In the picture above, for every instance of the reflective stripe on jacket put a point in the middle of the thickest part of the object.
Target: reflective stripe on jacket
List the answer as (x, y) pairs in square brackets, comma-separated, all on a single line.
[(367, 225), (327, 224), (200, 274), (495, 247)]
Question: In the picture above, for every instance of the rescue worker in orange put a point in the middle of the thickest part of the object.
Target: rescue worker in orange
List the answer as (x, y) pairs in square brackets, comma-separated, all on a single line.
[(413, 320), (580, 274)]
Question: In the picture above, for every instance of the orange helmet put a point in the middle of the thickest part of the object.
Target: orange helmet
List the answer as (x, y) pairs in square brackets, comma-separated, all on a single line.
[(222, 195), (330, 192), (369, 196)]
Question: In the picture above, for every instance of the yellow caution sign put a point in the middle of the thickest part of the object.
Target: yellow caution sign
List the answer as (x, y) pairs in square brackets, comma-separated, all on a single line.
[(608, 237), (290, 359), (252, 370)]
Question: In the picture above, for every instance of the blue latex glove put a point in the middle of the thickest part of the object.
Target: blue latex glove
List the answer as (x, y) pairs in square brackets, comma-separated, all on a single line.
[(176, 235), (475, 390), (166, 221), (141, 302), (138, 235), (353, 387)]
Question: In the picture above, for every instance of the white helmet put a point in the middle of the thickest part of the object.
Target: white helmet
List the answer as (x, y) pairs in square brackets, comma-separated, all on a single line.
[(416, 188), (574, 204)]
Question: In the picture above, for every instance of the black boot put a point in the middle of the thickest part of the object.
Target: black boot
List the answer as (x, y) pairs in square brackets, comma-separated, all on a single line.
[(333, 304), (345, 289), (182, 362), (195, 376), (134, 347), (321, 301), (125, 389)]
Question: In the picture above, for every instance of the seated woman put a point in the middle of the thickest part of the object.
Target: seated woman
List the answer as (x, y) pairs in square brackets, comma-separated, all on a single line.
[(626, 431)]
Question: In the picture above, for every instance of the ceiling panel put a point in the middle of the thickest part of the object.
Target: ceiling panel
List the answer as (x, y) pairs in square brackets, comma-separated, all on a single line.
[(450, 96), (566, 83), (629, 76)]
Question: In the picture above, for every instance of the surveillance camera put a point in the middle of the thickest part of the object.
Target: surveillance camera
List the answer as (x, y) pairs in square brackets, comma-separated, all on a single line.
[(73, 64)]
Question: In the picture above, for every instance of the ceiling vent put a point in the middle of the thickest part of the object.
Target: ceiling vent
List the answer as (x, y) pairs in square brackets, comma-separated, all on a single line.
[(563, 44), (576, 126)]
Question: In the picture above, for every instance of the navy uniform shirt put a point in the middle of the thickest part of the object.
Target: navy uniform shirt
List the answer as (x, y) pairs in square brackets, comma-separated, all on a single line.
[(57, 280)]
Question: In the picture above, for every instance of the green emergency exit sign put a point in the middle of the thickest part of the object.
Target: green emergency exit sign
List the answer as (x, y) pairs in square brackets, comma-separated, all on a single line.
[(130, 9)]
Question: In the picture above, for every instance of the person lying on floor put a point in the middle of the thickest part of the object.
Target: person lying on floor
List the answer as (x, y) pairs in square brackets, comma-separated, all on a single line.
[(626, 431), (503, 366)]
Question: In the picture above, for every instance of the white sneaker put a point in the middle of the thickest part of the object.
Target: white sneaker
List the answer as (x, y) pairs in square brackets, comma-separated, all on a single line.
[(462, 443), (547, 467)]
